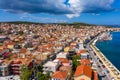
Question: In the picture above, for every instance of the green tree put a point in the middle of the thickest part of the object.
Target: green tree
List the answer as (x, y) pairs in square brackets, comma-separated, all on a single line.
[(76, 62), (43, 76), (40, 68), (25, 73), (21, 32)]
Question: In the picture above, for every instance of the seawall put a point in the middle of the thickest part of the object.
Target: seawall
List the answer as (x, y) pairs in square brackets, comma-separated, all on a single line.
[(114, 72)]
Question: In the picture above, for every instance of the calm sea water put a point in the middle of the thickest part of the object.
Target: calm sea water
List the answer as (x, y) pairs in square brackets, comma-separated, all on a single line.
[(111, 49)]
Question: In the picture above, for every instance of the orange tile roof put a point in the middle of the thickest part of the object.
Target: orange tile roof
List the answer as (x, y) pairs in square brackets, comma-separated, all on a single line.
[(65, 68), (95, 75), (13, 56), (1, 47), (59, 45), (7, 61), (23, 50), (17, 62), (11, 43), (81, 52), (25, 61), (64, 60), (60, 75), (83, 70), (85, 61), (0, 51), (38, 61), (73, 43)]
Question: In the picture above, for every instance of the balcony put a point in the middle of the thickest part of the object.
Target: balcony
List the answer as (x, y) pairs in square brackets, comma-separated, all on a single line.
[(15, 65), (15, 68)]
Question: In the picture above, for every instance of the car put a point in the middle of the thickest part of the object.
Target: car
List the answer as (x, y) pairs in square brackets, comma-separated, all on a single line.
[(103, 66), (107, 70), (99, 66), (112, 78), (11, 78), (100, 61)]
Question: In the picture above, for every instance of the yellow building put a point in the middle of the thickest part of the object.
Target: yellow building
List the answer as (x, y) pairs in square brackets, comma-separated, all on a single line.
[(10, 45), (66, 49)]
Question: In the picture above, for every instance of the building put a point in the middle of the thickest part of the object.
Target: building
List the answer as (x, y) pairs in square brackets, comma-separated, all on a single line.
[(51, 66), (66, 69), (17, 64), (94, 66), (4, 67), (60, 75), (95, 75), (81, 46), (73, 44), (10, 45), (79, 52), (62, 55), (57, 47), (85, 62), (65, 61), (2, 37), (83, 72), (84, 55), (22, 53), (17, 48), (66, 49)]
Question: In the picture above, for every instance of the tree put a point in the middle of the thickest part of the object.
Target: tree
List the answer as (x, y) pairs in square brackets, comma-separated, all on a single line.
[(43, 76), (21, 32), (25, 73), (40, 68), (76, 62)]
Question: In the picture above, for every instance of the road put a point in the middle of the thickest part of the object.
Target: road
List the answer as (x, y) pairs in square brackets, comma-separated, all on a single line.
[(101, 71)]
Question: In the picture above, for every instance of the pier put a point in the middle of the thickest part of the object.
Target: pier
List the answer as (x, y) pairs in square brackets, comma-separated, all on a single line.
[(113, 71)]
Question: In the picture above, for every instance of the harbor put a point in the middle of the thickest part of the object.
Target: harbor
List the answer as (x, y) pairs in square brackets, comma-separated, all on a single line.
[(105, 36)]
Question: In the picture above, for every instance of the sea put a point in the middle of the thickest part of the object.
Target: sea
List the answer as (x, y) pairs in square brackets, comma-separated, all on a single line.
[(111, 49)]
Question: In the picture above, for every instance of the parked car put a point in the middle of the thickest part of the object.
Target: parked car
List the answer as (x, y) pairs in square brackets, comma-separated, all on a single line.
[(103, 66), (112, 78)]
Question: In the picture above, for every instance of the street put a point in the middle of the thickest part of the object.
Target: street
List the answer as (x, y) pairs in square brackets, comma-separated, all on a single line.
[(103, 75)]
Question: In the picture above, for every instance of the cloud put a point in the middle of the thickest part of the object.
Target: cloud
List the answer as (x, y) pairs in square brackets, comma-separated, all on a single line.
[(35, 6), (73, 15), (71, 8), (89, 6)]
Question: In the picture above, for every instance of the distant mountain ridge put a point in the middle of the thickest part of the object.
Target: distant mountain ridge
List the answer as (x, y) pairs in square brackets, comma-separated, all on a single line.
[(25, 22), (20, 22)]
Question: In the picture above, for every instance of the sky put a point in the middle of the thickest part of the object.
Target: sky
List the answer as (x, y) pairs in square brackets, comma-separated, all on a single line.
[(55, 11)]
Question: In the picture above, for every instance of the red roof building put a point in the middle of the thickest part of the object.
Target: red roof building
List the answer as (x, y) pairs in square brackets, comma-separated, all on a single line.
[(85, 62), (95, 75), (83, 72), (64, 61), (60, 75)]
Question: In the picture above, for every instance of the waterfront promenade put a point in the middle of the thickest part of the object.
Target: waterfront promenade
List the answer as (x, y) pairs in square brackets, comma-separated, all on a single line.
[(112, 70)]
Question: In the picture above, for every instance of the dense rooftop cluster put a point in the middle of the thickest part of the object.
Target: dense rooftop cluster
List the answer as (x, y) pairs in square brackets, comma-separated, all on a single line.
[(30, 44)]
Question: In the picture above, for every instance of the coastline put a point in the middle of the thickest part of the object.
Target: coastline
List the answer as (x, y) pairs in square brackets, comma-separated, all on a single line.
[(114, 72)]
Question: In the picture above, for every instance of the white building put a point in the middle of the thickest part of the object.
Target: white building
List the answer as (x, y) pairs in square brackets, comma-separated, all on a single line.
[(81, 46), (62, 55), (4, 68), (85, 55), (57, 47), (51, 66)]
